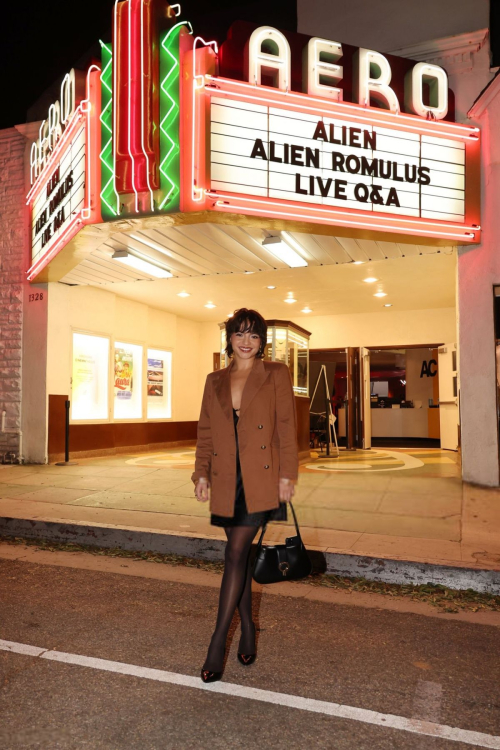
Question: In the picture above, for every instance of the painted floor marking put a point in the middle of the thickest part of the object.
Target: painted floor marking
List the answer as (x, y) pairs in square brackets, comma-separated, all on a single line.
[(352, 713)]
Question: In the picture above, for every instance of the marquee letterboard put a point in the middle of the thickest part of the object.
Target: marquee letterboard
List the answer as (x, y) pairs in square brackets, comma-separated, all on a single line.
[(61, 199), (273, 152)]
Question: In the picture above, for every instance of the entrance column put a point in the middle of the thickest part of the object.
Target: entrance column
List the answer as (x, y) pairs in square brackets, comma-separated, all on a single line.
[(478, 273)]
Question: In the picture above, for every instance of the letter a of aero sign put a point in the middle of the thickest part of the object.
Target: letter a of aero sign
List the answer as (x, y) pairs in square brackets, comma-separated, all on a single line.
[(259, 146)]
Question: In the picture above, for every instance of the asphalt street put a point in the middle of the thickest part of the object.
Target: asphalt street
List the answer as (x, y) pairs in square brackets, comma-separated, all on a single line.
[(416, 668)]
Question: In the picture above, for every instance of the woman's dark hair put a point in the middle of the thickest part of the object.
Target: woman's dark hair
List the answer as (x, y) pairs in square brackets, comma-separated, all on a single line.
[(244, 321)]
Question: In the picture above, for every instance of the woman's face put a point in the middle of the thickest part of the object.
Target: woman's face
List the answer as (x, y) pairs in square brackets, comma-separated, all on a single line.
[(246, 344)]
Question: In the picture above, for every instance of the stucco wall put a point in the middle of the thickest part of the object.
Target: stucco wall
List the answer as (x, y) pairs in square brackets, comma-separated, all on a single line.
[(478, 272), (93, 310), (388, 328)]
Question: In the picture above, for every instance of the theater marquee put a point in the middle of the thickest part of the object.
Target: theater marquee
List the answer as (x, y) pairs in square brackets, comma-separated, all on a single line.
[(313, 157), (277, 129)]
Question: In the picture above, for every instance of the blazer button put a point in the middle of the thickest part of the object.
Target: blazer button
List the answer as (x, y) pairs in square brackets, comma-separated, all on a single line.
[(261, 426), (263, 447), (214, 453), (266, 466)]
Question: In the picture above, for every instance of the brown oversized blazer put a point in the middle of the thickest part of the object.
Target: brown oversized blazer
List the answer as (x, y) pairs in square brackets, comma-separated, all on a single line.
[(267, 437)]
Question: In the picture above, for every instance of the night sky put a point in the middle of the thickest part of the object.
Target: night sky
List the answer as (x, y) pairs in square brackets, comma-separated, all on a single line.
[(41, 41)]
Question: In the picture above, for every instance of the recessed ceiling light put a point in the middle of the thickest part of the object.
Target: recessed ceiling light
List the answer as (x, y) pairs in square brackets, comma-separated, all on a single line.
[(380, 294), (183, 294), (370, 280), (388, 304), (358, 262), (290, 300), (230, 315), (306, 310), (270, 287), (249, 272), (210, 305)]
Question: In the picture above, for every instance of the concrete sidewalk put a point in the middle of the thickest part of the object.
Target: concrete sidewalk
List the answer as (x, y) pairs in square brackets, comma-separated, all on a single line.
[(396, 505)]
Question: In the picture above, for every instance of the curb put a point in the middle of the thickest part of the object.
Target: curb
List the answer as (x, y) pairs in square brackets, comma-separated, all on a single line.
[(340, 564)]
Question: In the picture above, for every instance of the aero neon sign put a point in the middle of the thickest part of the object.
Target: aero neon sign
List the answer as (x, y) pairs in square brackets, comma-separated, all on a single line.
[(58, 117), (269, 53)]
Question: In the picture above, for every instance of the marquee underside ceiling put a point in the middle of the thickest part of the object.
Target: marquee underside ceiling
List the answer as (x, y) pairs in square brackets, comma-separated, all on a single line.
[(213, 249)]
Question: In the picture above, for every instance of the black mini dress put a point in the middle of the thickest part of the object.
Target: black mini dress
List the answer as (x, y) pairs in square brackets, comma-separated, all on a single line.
[(241, 515)]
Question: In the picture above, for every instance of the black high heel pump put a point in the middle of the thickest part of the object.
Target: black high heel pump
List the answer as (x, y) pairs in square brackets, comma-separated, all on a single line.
[(208, 676), (247, 659)]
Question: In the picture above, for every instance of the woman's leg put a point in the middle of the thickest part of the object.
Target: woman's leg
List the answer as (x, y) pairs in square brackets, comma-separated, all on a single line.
[(247, 640), (239, 542)]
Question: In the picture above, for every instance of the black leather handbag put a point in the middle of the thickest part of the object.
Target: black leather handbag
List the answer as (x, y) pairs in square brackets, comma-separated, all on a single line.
[(282, 562)]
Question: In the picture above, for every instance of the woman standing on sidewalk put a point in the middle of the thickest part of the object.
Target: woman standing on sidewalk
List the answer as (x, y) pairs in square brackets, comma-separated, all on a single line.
[(246, 464)]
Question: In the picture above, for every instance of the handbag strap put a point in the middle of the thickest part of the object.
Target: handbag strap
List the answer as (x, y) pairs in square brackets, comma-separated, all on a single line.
[(259, 543)]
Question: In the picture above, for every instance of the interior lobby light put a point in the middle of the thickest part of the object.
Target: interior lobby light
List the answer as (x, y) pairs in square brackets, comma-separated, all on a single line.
[(141, 264), (370, 280), (270, 287), (183, 294), (358, 262), (306, 310), (388, 304), (290, 300), (282, 250), (380, 294), (210, 305)]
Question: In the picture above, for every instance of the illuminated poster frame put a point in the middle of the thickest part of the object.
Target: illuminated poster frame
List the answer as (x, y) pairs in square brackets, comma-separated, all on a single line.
[(200, 85)]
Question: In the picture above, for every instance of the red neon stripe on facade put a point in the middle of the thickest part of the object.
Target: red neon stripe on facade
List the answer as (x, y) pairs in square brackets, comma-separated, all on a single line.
[(286, 212), (136, 60), (407, 221)]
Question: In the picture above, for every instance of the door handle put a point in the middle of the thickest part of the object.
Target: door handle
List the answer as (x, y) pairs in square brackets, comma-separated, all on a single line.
[(454, 402)]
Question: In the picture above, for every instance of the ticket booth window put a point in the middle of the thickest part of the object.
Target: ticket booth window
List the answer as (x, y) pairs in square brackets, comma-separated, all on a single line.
[(159, 379), (89, 377), (127, 377)]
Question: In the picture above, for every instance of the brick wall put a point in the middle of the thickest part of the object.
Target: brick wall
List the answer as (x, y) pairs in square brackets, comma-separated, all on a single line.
[(13, 237)]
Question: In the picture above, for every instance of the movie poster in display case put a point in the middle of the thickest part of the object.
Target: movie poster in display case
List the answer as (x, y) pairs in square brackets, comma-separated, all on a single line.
[(89, 382)]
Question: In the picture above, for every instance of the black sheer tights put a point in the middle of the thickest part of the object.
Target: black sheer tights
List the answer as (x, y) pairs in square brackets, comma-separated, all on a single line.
[(235, 591)]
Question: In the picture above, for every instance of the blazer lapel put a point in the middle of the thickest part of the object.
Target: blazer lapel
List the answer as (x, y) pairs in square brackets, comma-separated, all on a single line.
[(223, 391), (256, 379)]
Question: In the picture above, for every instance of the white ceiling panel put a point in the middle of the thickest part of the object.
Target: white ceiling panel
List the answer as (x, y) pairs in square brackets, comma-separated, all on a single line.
[(211, 249)]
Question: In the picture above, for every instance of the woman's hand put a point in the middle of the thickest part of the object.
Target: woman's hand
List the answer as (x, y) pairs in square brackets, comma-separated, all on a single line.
[(286, 490), (202, 490)]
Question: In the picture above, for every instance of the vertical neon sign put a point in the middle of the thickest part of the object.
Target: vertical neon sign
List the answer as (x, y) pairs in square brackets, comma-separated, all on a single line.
[(170, 115), (110, 200)]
